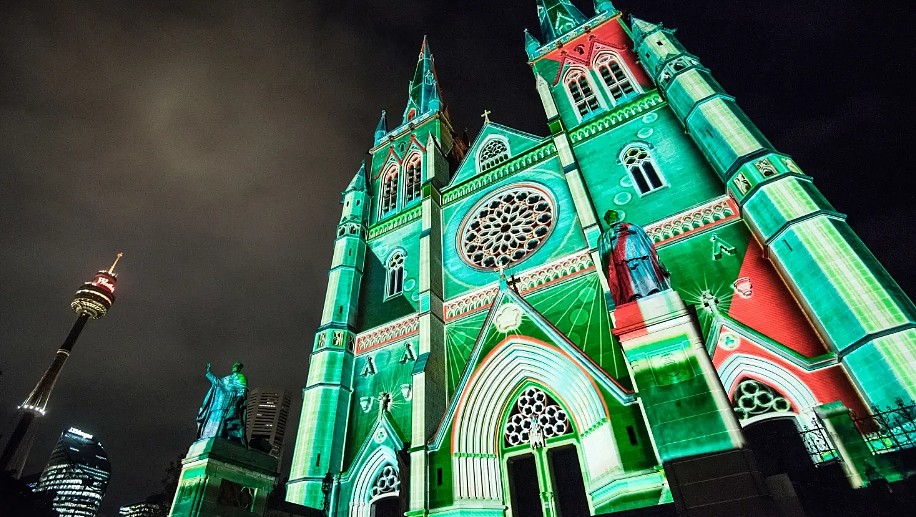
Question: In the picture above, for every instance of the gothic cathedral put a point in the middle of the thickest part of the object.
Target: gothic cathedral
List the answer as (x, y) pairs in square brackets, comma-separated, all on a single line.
[(474, 358)]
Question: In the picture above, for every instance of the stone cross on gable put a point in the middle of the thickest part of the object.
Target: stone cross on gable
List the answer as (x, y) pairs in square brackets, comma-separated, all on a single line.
[(486, 116)]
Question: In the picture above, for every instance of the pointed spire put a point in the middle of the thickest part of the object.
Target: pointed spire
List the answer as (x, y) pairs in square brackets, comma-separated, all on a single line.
[(359, 181), (424, 94), (117, 258), (531, 44), (382, 128), (558, 17), (604, 6), (641, 29)]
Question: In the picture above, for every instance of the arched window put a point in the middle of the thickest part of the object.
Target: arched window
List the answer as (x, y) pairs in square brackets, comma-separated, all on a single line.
[(643, 170), (614, 76), (389, 199), (394, 284), (412, 179), (494, 151), (581, 92)]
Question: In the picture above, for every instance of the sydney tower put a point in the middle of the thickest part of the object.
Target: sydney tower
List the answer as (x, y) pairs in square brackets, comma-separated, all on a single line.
[(91, 301)]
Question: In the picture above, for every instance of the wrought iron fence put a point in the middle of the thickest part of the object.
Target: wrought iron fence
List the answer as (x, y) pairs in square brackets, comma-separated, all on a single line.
[(889, 429), (818, 442)]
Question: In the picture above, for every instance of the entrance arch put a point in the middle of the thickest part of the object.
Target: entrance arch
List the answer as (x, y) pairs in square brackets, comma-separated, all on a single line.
[(387, 506), (539, 447), (377, 482), (486, 397)]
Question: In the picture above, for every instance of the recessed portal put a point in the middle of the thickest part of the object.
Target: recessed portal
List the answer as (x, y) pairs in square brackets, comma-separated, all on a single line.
[(568, 488), (386, 507), (523, 486)]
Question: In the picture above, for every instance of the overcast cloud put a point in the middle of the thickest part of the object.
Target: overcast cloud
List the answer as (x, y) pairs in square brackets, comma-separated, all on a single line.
[(210, 141)]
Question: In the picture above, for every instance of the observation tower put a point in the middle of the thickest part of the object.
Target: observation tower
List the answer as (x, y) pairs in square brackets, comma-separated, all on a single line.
[(92, 301)]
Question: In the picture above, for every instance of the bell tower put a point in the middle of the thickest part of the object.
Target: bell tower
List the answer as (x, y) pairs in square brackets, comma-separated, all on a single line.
[(327, 395)]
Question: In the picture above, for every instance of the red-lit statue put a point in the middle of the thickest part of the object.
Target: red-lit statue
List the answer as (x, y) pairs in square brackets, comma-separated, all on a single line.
[(630, 261)]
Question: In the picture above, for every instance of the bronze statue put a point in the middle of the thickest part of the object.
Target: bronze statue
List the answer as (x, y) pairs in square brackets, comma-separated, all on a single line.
[(222, 414), (630, 261)]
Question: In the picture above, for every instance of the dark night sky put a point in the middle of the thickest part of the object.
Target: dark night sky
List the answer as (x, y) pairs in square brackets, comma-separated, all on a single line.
[(210, 141)]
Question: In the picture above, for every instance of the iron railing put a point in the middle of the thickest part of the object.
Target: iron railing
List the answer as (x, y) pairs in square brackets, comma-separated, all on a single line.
[(820, 445), (889, 429)]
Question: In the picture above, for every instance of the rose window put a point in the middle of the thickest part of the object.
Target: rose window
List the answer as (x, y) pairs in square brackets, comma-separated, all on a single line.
[(535, 405), (386, 482), (507, 227), (754, 398)]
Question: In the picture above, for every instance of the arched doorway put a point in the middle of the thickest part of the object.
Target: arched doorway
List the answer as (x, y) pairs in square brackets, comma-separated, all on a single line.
[(778, 447), (386, 507), (568, 486), (543, 469)]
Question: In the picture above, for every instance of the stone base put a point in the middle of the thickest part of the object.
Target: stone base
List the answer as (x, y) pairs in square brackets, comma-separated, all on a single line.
[(220, 478), (724, 483)]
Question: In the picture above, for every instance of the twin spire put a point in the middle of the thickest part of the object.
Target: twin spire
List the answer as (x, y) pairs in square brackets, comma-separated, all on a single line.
[(424, 94), (558, 17)]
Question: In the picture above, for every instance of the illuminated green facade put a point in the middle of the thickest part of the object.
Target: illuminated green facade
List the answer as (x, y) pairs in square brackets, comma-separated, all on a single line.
[(465, 295)]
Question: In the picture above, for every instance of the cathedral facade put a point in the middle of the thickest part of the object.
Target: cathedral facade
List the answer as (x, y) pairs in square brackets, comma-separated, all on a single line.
[(472, 358)]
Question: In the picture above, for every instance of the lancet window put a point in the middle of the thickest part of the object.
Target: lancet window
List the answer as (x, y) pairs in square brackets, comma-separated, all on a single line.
[(614, 75), (581, 92), (389, 199), (643, 170), (412, 178), (494, 152), (394, 284)]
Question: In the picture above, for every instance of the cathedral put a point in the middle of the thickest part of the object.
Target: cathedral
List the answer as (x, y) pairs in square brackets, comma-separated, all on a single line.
[(611, 318)]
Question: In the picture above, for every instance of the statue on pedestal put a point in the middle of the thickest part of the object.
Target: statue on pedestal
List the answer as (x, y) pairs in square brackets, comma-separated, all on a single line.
[(222, 414), (630, 261)]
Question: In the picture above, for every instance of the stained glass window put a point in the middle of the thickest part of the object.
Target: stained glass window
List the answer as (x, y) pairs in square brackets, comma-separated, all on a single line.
[(395, 275), (493, 153), (645, 174), (386, 482), (754, 398), (389, 199), (507, 227), (412, 178), (614, 76), (580, 89), (535, 408)]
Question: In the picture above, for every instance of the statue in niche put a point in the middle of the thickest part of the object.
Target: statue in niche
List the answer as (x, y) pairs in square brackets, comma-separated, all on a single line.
[(630, 261), (536, 438), (222, 414)]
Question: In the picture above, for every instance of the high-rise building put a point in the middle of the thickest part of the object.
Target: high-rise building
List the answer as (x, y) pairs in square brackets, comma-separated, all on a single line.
[(143, 509), (92, 301), (266, 416), (474, 354), (78, 473)]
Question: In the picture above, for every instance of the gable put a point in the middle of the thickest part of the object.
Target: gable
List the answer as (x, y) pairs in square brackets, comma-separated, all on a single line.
[(512, 318), (517, 143)]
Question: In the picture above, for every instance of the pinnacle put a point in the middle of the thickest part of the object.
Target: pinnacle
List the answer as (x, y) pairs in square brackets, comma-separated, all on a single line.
[(359, 180)]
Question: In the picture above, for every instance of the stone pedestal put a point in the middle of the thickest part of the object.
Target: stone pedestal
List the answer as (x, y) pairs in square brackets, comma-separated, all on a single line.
[(220, 478), (689, 416)]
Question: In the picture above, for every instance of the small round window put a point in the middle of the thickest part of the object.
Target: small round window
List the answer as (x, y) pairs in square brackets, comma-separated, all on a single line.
[(507, 227)]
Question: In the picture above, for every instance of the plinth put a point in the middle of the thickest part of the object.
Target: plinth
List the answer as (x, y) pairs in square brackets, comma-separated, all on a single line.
[(691, 421), (220, 478)]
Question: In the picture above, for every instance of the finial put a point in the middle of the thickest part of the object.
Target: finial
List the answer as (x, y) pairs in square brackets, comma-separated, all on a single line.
[(486, 116), (115, 263), (503, 283)]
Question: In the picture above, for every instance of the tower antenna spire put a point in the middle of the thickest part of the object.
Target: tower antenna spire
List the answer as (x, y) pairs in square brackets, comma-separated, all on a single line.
[(115, 263), (91, 301)]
